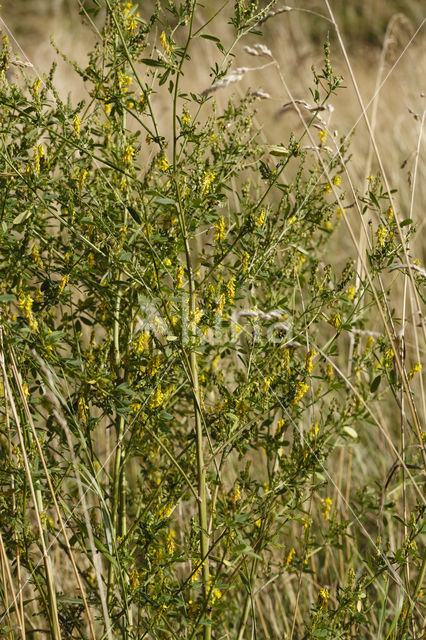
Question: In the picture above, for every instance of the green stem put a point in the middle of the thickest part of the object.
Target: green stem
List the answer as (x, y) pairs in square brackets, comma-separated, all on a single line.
[(201, 470)]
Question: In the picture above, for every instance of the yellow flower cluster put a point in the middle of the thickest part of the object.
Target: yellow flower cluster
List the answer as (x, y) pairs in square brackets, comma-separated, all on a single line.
[(322, 135), (236, 494), (80, 176), (134, 579), (186, 118), (290, 556), (416, 369), (336, 180), (63, 283), (170, 541), (163, 164), (301, 389), (381, 235), (36, 85), (131, 19), (336, 320), (36, 256), (244, 262), (230, 290), (351, 293), (207, 180), (329, 371), (309, 360), (141, 342), (179, 278), (167, 46), (76, 124), (220, 230), (39, 153), (260, 219), (128, 155), (323, 597), (124, 81), (157, 398), (326, 507), (26, 304)]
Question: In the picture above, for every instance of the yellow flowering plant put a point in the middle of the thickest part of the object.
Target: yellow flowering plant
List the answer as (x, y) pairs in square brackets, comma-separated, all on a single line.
[(190, 385)]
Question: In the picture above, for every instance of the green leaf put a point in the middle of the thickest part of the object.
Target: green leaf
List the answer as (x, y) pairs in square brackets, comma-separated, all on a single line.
[(206, 36), (406, 222), (153, 63), (375, 384), (22, 217), (135, 215)]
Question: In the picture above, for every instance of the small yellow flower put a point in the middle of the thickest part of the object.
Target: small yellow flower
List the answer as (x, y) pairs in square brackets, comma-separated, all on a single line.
[(208, 178), (351, 293), (326, 504), (381, 235), (128, 155), (76, 123), (328, 188), (170, 541), (63, 283), (369, 343), (179, 278), (329, 371), (340, 212), (167, 46), (323, 597), (309, 360), (230, 290), (336, 180), (36, 85), (301, 389), (336, 320), (314, 430), (220, 230), (157, 398), (124, 81), (236, 494), (322, 135), (260, 219), (163, 164), (266, 384), (416, 369), (244, 262), (290, 556), (186, 118)]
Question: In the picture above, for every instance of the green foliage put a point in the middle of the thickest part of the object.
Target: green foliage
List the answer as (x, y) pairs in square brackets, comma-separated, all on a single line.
[(173, 327)]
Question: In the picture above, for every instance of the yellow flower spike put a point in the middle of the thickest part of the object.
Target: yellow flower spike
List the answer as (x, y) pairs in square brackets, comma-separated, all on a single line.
[(220, 230), (36, 85), (128, 155), (290, 556), (416, 369), (207, 180), (301, 389), (163, 164), (179, 278), (76, 123), (309, 360), (326, 504)]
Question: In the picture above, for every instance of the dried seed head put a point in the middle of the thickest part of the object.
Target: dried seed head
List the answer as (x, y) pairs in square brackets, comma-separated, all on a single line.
[(273, 13), (234, 76), (259, 50), (259, 93)]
